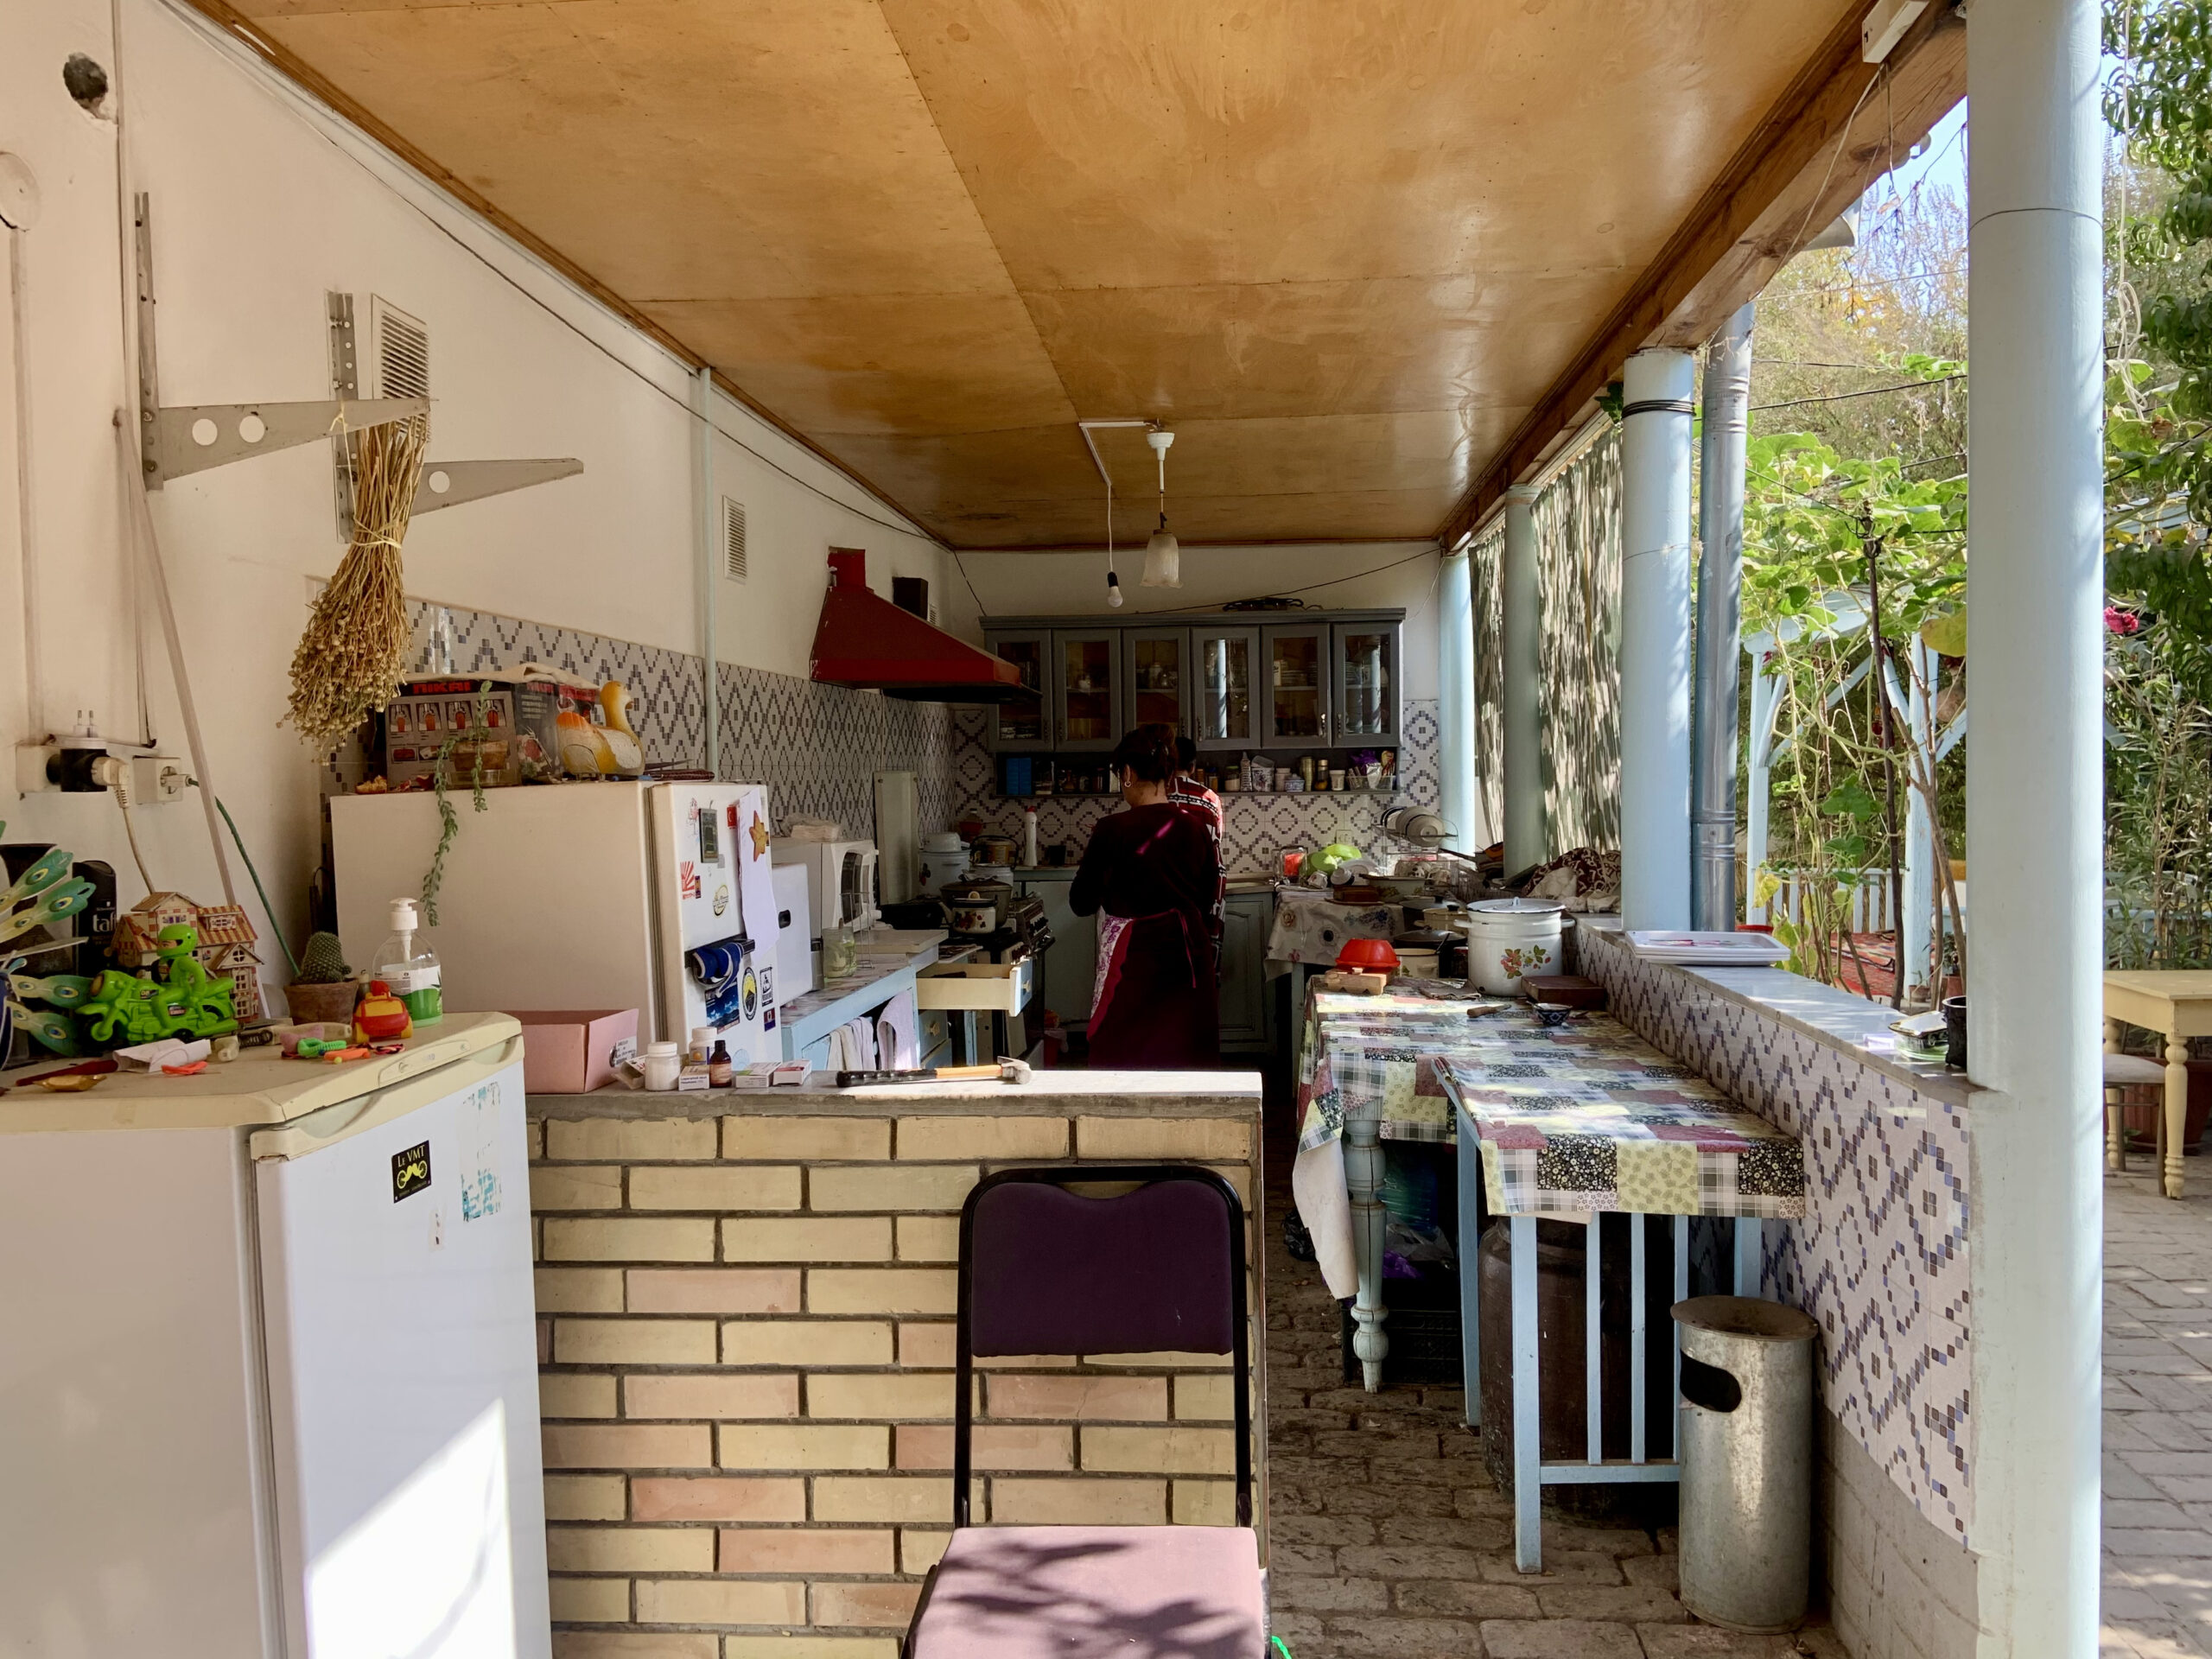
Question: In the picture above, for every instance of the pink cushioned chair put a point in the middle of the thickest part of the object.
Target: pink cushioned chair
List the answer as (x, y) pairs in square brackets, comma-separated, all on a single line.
[(1046, 1271)]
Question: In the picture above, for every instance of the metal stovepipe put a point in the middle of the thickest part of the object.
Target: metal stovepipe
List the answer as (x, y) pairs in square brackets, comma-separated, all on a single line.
[(1719, 615)]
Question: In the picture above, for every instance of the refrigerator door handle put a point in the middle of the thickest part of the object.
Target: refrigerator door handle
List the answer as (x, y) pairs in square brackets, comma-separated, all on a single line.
[(366, 1112)]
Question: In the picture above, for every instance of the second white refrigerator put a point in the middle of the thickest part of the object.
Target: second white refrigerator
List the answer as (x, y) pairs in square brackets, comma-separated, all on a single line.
[(583, 896)]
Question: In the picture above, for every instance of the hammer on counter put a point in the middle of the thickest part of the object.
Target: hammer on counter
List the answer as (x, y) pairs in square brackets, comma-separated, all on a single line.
[(1003, 1071)]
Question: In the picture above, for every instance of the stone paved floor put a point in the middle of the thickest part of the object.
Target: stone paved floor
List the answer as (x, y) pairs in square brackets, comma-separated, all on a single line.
[(2158, 1601), (1389, 1541)]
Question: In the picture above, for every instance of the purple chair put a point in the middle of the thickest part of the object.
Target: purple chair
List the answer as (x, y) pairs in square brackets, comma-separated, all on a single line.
[(1046, 1271)]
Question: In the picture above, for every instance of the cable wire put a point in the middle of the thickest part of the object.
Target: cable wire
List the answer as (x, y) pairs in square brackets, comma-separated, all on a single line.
[(267, 909)]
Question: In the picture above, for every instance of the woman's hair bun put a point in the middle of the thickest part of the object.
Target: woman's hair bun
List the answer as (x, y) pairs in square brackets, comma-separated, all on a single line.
[(1149, 751)]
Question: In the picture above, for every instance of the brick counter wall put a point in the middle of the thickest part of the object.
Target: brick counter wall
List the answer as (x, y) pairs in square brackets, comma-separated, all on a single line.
[(744, 1338)]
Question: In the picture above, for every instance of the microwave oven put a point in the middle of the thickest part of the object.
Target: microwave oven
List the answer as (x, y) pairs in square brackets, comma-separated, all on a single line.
[(840, 879)]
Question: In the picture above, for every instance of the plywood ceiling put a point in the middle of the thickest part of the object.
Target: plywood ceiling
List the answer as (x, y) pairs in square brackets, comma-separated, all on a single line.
[(1341, 246)]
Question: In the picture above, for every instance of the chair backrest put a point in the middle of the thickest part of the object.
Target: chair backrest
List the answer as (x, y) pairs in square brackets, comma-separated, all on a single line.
[(1044, 1270)]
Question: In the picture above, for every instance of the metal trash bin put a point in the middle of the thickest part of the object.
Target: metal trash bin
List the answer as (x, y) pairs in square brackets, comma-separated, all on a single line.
[(1747, 1461)]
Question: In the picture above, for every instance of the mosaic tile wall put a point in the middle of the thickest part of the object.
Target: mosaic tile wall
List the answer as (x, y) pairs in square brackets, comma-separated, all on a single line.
[(817, 747), (1880, 1259), (1257, 826)]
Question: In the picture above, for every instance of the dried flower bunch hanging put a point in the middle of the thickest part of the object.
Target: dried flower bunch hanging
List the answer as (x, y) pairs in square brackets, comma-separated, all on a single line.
[(354, 650)]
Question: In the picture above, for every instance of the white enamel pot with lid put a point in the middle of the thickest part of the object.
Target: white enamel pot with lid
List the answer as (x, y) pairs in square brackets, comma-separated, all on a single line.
[(1508, 937)]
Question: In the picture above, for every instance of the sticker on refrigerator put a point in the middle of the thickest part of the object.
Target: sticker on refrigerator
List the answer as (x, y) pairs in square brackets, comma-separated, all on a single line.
[(710, 843), (480, 1193), (722, 897), (410, 1171), (758, 833)]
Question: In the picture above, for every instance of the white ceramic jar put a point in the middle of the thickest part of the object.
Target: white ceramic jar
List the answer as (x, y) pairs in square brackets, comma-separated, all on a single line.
[(1508, 937)]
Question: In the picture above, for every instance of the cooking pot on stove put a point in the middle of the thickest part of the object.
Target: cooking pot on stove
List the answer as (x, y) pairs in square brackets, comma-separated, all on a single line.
[(977, 907)]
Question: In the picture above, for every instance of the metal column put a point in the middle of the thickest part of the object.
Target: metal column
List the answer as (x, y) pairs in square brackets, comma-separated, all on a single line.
[(2034, 792), (1654, 640), (1719, 615), (1520, 633)]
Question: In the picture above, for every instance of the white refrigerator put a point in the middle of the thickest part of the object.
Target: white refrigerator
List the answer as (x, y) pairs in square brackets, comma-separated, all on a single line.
[(583, 896), (267, 1362)]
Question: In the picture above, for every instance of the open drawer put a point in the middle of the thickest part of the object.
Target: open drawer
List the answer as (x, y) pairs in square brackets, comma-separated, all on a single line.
[(1002, 986)]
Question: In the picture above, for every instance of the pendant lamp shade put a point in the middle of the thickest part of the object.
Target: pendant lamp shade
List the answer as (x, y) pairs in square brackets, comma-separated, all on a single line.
[(1163, 559)]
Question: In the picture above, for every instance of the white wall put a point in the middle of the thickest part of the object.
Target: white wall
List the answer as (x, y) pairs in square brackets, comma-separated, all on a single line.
[(1326, 576), (261, 203)]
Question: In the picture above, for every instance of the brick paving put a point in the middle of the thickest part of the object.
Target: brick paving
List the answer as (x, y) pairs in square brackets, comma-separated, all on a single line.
[(2157, 1442), (1389, 1541)]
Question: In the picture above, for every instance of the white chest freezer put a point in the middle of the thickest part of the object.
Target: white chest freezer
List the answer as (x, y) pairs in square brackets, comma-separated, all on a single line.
[(268, 1364)]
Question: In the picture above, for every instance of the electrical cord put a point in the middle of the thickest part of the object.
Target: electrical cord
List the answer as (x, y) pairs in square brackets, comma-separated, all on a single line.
[(267, 909)]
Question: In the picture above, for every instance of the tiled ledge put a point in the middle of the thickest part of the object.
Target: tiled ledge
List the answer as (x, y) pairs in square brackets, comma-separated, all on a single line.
[(1048, 1094), (1881, 1259), (1830, 1016)]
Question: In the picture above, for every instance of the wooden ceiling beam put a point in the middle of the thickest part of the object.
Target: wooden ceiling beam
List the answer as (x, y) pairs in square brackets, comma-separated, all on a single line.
[(331, 97), (1826, 140)]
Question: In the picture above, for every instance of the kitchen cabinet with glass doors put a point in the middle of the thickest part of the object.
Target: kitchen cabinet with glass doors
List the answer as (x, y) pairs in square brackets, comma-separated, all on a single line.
[(1231, 681), (1088, 704), (1365, 674), (1023, 723), (1295, 695), (1156, 676), (1224, 707)]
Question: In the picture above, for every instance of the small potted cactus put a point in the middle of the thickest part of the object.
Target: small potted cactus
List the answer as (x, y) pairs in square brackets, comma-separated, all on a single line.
[(325, 987)]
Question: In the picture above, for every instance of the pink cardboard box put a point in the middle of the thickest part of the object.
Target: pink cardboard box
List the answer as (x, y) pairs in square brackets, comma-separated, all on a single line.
[(575, 1051)]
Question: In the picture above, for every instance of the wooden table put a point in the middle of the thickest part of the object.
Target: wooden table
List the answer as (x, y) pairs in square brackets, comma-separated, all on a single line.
[(2178, 1004)]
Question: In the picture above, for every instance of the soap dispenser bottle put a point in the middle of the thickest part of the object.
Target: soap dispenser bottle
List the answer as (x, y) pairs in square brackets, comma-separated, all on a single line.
[(408, 967)]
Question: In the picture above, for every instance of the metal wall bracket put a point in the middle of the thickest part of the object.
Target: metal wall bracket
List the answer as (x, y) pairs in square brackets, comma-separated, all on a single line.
[(175, 442), (445, 483), (449, 483)]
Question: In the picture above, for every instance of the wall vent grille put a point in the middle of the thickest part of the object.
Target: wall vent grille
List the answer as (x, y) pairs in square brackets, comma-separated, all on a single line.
[(733, 539), (402, 345)]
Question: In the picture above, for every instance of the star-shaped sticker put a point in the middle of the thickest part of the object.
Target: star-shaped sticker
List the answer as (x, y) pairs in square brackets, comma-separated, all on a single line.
[(760, 834)]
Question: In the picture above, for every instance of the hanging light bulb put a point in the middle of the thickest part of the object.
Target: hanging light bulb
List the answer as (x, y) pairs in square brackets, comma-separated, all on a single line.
[(1163, 561)]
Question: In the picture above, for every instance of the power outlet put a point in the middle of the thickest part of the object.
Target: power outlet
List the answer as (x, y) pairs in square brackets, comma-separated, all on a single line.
[(157, 777)]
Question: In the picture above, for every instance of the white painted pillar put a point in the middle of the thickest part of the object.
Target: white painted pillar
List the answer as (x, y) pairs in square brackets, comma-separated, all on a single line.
[(2035, 789), (1655, 640), (1521, 637), (1455, 702)]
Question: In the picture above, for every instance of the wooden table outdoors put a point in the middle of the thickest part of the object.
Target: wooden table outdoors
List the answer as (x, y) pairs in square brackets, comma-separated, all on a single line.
[(2178, 1004)]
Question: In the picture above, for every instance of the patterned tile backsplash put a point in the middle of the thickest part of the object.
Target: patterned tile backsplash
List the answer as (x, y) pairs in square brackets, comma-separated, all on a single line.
[(817, 747), (1255, 826), (1880, 1259)]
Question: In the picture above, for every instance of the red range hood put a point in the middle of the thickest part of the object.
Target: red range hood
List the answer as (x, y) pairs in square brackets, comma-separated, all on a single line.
[(866, 642)]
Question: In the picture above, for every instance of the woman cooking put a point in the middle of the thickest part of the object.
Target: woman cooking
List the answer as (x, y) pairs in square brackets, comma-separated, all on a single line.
[(1152, 873)]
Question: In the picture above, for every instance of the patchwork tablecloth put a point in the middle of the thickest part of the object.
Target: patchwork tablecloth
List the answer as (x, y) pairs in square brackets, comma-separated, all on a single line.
[(1378, 1055), (1583, 1116), (1606, 1124)]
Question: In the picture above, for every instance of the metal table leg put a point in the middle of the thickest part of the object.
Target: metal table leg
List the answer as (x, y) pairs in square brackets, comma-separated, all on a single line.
[(1470, 1290), (1528, 1407)]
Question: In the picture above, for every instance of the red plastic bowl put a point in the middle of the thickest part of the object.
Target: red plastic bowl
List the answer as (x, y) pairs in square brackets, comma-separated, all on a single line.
[(1368, 956)]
